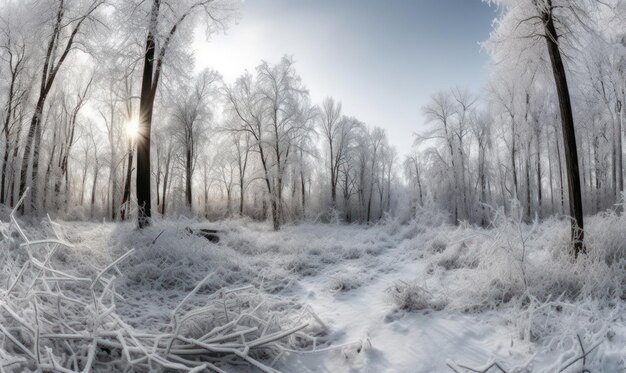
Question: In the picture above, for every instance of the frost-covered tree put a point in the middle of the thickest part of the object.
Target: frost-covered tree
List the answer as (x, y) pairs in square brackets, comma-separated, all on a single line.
[(167, 26), (270, 108), (64, 25), (191, 117), (14, 57)]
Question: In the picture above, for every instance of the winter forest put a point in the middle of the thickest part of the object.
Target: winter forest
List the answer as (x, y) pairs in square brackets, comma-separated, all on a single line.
[(161, 216)]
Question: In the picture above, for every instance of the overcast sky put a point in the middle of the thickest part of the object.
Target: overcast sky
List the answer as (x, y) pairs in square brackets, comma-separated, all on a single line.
[(381, 58)]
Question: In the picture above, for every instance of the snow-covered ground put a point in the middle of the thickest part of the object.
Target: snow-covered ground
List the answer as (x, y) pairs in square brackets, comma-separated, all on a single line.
[(392, 298)]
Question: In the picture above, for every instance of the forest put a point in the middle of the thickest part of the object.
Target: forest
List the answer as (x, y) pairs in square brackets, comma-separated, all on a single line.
[(158, 217)]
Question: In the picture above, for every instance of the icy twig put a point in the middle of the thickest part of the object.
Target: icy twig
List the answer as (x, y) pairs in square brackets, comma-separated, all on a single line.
[(52, 305), (583, 356)]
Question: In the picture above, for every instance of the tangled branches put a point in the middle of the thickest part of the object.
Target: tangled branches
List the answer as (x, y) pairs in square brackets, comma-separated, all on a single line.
[(54, 320), (494, 366)]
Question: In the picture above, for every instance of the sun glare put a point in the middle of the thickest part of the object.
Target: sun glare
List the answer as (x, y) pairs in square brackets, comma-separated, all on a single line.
[(132, 128)]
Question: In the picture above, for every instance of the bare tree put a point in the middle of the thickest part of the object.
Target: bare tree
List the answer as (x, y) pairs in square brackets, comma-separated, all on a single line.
[(13, 53), (331, 126), (191, 117), (164, 20), (67, 24), (270, 109)]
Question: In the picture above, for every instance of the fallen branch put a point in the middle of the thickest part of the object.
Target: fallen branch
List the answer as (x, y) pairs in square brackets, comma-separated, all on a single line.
[(65, 328)]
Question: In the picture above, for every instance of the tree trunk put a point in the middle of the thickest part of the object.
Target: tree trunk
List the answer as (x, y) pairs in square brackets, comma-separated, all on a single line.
[(144, 212), (528, 191), (165, 181), (539, 188), (620, 167), (275, 217), (82, 189), (333, 177), (303, 191), (14, 157), (569, 135), (483, 187), (93, 190), (513, 165), (188, 175), (7, 122), (550, 179), (125, 206)]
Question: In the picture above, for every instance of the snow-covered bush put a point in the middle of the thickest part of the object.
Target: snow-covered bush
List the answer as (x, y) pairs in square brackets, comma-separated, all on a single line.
[(342, 282), (409, 296)]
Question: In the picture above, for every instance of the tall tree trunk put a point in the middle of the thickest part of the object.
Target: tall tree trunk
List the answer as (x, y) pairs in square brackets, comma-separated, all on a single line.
[(550, 179), (14, 157), (560, 163), (5, 163), (28, 147), (483, 187), (82, 189), (275, 216), (528, 191), (188, 175), (346, 197), (369, 201), (6, 127), (46, 179), (241, 197), (143, 141), (539, 176), (569, 135), (620, 157), (333, 177), (125, 205), (513, 154), (165, 181), (93, 190), (598, 173), (614, 180), (206, 201), (48, 75), (146, 105)]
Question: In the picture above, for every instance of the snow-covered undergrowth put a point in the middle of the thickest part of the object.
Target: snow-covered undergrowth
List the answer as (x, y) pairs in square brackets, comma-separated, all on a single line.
[(59, 306), (571, 312), (419, 296)]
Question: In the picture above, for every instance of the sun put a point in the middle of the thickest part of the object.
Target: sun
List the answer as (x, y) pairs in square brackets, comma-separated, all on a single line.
[(132, 128)]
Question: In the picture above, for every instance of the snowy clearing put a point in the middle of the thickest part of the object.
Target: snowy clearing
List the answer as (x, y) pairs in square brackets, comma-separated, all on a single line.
[(312, 186), (390, 298)]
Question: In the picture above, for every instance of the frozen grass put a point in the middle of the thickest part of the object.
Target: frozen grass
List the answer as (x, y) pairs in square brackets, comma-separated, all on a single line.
[(517, 275), (59, 312), (525, 273), (409, 296)]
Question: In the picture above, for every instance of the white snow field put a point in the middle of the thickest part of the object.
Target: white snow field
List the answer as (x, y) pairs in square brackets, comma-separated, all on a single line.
[(416, 297)]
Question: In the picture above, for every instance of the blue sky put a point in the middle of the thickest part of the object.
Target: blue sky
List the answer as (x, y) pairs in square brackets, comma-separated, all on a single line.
[(383, 59)]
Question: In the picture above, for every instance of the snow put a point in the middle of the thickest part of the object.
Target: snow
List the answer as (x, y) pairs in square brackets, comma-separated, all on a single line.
[(394, 298)]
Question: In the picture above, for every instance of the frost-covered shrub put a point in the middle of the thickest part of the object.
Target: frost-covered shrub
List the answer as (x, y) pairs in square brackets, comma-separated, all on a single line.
[(77, 213), (438, 246), (374, 250), (454, 257), (515, 261), (430, 216), (302, 266), (343, 282), (315, 251), (409, 296), (352, 253)]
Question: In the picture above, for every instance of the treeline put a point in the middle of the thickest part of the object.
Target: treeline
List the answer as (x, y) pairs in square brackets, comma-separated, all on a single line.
[(505, 147), (80, 110), (102, 117)]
